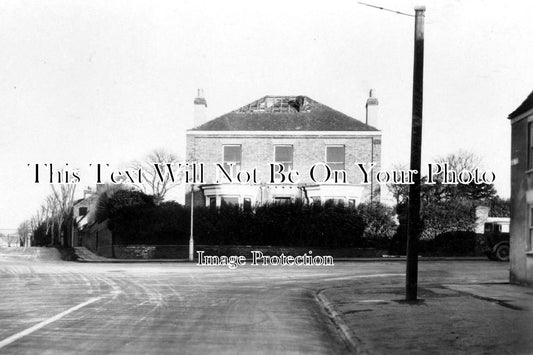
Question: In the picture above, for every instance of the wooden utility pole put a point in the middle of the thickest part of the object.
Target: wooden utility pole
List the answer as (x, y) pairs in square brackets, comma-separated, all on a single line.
[(413, 225)]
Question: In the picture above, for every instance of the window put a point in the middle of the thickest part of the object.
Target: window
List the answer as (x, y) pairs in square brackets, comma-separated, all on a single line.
[(530, 145), (232, 154), (213, 203), (282, 200), (82, 211), (229, 200), (504, 228), (283, 155), (335, 201), (351, 203), (335, 157), (247, 204)]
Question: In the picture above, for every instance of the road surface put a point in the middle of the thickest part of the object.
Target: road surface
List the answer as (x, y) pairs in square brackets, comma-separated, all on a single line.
[(55, 307)]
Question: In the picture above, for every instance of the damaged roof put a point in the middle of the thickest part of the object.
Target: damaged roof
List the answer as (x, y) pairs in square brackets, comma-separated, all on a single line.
[(284, 113)]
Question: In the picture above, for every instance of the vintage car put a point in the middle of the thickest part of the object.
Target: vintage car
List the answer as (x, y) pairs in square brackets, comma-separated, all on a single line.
[(497, 240)]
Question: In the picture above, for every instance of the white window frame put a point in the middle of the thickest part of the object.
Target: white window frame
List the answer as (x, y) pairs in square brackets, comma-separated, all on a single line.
[(285, 199), (284, 163), (238, 197), (236, 166), (335, 162)]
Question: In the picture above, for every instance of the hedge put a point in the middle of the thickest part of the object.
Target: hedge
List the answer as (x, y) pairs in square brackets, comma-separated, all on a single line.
[(298, 224)]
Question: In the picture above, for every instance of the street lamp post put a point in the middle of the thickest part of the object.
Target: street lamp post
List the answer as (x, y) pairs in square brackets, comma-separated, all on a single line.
[(191, 239)]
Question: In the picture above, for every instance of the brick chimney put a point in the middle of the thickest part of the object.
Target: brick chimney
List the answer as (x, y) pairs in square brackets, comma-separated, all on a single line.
[(87, 192), (372, 110), (200, 109)]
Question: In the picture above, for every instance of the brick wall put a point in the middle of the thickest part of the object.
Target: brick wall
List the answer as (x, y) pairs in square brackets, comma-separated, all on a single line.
[(258, 151), (151, 251), (99, 239), (521, 262), (182, 251)]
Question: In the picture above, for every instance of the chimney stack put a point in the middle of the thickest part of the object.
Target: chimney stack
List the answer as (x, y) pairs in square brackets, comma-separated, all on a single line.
[(200, 109), (372, 110), (87, 192)]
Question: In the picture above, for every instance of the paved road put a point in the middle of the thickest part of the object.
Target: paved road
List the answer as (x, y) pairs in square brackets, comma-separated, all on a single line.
[(54, 307)]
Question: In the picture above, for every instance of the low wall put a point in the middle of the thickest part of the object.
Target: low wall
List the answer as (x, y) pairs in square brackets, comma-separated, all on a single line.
[(151, 251), (182, 251)]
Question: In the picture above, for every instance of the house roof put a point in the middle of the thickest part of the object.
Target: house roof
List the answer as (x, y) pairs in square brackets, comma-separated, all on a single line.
[(524, 107), (284, 113)]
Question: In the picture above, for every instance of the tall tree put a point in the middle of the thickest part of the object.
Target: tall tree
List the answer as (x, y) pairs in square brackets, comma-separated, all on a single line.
[(63, 199), (400, 192), (51, 210), (101, 212), (459, 161), (159, 173), (500, 207), (448, 207), (24, 230)]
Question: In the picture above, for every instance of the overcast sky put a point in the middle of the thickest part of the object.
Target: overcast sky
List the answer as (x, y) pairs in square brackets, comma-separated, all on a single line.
[(109, 81)]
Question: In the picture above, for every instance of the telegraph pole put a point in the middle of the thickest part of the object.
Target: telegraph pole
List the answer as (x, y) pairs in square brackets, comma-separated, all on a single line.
[(413, 225)]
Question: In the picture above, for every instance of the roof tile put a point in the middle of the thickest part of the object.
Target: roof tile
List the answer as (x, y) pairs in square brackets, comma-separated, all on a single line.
[(284, 113)]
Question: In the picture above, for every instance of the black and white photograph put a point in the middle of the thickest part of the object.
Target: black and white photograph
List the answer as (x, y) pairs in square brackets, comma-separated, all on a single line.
[(279, 177)]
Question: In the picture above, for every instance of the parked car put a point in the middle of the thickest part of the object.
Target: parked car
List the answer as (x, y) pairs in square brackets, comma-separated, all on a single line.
[(497, 240)]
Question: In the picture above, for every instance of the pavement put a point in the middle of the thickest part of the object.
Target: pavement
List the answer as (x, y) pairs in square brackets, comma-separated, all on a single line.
[(51, 306), (465, 318)]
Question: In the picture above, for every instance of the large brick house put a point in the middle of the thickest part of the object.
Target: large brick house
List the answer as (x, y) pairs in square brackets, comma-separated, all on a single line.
[(295, 132), (521, 244)]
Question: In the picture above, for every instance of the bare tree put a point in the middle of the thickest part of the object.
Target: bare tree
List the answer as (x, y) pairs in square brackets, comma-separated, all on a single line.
[(159, 173), (24, 230), (461, 160), (12, 239), (457, 161), (63, 200), (38, 218), (51, 211)]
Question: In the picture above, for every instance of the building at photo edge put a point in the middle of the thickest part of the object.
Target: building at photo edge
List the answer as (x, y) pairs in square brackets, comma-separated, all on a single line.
[(294, 131), (521, 229)]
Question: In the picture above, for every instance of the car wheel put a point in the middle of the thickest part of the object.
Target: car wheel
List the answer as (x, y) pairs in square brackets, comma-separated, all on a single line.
[(502, 252)]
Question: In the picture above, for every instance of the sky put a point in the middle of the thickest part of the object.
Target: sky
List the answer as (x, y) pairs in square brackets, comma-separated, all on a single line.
[(109, 81)]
